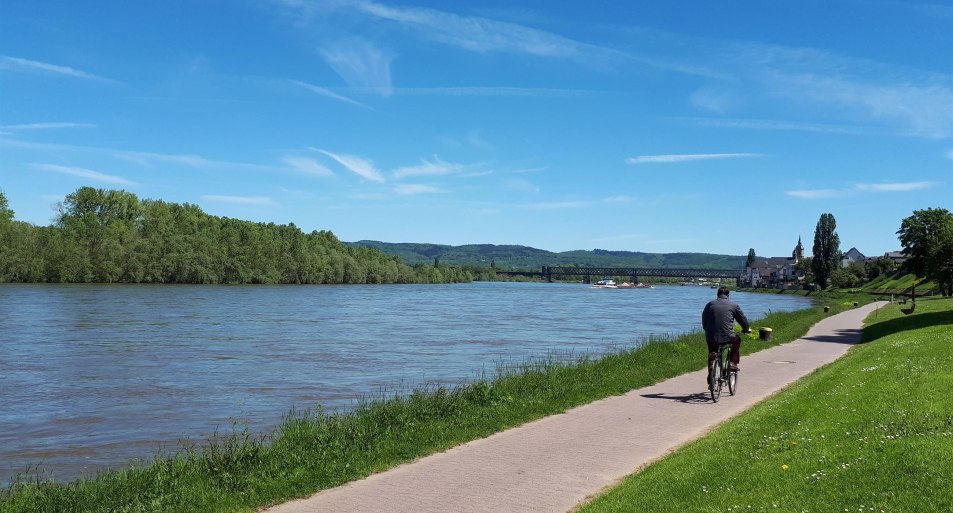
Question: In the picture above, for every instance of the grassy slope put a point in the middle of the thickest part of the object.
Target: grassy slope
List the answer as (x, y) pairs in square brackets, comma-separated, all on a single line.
[(310, 452), (870, 432)]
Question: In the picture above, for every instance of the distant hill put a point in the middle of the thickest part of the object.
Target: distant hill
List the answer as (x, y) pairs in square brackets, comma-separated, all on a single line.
[(524, 257)]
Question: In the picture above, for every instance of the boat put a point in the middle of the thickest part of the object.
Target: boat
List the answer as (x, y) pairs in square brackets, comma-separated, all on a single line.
[(605, 283), (639, 285)]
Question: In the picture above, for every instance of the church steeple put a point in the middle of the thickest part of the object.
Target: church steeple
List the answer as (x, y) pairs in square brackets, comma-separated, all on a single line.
[(798, 252)]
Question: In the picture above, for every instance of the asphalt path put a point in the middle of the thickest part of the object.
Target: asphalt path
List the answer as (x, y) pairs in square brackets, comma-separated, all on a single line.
[(555, 463)]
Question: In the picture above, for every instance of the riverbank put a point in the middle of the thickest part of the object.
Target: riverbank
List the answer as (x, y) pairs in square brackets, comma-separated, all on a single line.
[(313, 451), (869, 432)]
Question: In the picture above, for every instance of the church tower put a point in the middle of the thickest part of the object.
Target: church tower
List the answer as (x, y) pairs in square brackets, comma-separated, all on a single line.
[(798, 253)]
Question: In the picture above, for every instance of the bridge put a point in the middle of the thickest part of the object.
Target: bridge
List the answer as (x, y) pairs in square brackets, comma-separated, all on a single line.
[(549, 272)]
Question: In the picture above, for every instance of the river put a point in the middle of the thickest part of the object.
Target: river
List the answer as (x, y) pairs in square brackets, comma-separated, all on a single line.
[(96, 376)]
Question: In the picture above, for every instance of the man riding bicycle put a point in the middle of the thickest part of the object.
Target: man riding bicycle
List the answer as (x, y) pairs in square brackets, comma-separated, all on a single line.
[(718, 319)]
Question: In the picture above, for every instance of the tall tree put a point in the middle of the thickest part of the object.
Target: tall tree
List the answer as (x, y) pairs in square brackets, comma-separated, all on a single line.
[(927, 239), (6, 215), (751, 258), (827, 253)]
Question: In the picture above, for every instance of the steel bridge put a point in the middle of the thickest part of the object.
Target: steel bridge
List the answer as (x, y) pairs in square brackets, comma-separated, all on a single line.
[(549, 272)]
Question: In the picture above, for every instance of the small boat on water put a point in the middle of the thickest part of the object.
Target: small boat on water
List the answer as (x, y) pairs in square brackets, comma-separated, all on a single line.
[(605, 283), (639, 285), (608, 283)]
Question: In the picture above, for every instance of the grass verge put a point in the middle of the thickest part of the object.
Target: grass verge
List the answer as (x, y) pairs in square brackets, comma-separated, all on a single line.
[(871, 432), (311, 451)]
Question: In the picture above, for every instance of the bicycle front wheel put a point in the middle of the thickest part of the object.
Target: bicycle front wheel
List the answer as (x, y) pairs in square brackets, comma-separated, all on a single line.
[(732, 382)]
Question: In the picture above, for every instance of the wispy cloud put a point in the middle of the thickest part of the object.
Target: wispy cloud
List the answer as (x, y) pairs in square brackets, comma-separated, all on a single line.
[(328, 93), (920, 109), (359, 166), (485, 35), (46, 126), (949, 154), (307, 166), (361, 64), (859, 188), (767, 124), (435, 167), (264, 201), (143, 158), (816, 193), (622, 198), (27, 66), (88, 174), (894, 187), (669, 159), (408, 189)]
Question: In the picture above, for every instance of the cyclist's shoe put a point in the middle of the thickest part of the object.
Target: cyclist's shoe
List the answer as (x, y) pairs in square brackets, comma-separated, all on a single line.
[(733, 368)]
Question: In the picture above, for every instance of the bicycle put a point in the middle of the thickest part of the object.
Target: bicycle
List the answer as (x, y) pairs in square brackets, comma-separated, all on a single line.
[(720, 373)]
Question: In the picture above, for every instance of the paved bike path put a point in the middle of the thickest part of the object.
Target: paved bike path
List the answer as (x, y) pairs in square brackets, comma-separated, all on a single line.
[(555, 463)]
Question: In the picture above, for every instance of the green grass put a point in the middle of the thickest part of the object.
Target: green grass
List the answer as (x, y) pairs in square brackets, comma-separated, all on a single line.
[(898, 283), (871, 432), (311, 451)]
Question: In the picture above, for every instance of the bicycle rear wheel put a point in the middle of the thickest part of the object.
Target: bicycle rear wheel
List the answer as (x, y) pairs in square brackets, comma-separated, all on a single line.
[(714, 380)]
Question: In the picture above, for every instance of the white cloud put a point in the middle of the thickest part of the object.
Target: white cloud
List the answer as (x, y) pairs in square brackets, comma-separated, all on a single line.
[(435, 167), (949, 155), (361, 64), (408, 189), (894, 187), (25, 65), (622, 198), (668, 159), (328, 93), (88, 174), (240, 200), (307, 166), (360, 166), (815, 193), (858, 189)]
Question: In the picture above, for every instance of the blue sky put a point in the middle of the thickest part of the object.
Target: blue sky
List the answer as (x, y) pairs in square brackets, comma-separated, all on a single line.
[(643, 126)]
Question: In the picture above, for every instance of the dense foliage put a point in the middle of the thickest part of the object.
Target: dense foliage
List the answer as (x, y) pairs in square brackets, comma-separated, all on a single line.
[(751, 257), (110, 236), (927, 238), (827, 253)]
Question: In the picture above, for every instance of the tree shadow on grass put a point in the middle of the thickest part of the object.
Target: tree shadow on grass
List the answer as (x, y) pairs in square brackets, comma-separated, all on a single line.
[(909, 322)]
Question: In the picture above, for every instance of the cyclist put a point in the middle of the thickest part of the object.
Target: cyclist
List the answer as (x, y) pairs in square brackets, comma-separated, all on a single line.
[(718, 319)]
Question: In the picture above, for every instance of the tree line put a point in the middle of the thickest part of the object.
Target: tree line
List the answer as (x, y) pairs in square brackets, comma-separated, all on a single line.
[(111, 236), (927, 240)]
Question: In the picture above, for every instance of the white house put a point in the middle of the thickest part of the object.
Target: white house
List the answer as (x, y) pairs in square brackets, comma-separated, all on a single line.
[(852, 256), (776, 272)]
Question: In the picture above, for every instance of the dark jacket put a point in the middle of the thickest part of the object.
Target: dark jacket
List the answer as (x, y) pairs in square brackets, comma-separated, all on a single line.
[(718, 319)]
